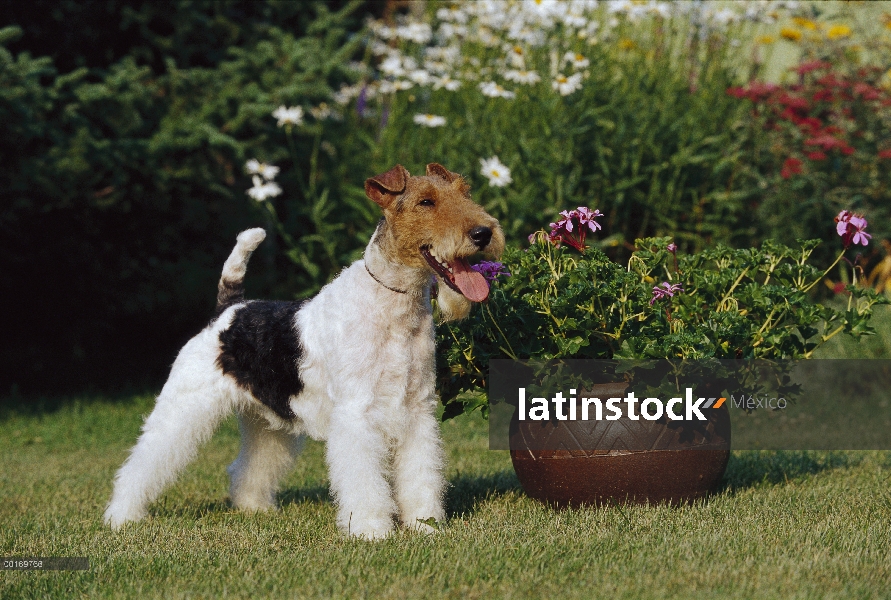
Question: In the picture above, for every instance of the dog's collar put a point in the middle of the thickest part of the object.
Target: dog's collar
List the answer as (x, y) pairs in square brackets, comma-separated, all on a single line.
[(384, 284)]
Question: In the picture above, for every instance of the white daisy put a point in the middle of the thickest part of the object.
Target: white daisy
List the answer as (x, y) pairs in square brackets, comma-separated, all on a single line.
[(263, 190), (392, 65), (452, 13), (497, 173), (428, 120), (446, 82), (420, 76), (527, 77), (346, 93), (493, 90), (255, 167), (388, 87), (567, 85), (321, 112), (419, 33), (288, 116), (516, 56), (578, 61)]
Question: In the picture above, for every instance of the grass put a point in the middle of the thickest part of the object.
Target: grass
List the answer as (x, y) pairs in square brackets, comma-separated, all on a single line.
[(786, 525)]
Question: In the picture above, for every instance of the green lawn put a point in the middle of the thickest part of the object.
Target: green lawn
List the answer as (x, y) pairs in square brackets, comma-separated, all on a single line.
[(787, 525)]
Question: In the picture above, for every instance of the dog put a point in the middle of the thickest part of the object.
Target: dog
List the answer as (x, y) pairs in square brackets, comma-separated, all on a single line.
[(354, 366)]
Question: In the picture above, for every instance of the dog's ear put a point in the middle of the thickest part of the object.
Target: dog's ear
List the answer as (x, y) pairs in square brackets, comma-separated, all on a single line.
[(436, 169), (385, 187)]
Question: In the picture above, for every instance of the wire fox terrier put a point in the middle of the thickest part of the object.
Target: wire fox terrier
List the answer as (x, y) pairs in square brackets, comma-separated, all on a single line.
[(353, 366)]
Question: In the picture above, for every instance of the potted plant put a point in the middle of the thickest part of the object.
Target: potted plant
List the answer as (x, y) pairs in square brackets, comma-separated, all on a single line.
[(561, 298)]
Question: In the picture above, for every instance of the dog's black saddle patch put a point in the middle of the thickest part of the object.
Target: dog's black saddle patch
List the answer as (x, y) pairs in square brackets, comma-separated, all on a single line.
[(261, 351)]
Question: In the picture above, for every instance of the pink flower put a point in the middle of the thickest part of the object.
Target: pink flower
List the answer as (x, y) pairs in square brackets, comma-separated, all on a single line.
[(665, 290), (574, 226), (851, 228)]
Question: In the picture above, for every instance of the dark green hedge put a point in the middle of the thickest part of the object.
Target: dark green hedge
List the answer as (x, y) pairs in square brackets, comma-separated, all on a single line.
[(121, 172)]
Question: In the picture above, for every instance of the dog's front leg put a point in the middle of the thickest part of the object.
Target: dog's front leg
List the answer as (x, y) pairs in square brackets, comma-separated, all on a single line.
[(357, 459), (418, 466)]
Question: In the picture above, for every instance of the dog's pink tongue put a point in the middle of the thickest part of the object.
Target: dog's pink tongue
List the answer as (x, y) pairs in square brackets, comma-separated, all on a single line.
[(472, 284)]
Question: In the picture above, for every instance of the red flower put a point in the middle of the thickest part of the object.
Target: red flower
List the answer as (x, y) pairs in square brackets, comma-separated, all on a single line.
[(828, 142), (807, 67), (792, 166), (830, 80), (817, 155), (867, 91), (793, 102), (885, 153), (809, 125)]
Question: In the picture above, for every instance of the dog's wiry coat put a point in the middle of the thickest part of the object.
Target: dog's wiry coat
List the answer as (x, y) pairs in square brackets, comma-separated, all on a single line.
[(354, 366)]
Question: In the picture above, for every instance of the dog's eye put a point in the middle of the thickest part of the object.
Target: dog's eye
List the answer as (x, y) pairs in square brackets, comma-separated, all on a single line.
[(426, 202)]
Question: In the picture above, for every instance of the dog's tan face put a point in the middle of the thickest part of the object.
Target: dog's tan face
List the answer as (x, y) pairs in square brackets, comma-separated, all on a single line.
[(432, 223)]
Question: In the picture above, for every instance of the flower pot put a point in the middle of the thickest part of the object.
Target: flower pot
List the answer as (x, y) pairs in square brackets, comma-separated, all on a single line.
[(634, 461)]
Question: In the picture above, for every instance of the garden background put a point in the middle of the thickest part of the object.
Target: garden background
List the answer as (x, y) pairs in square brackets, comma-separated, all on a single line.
[(138, 139), (128, 128)]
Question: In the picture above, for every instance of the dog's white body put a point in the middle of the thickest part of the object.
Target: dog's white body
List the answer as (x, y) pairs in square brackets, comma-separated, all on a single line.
[(354, 366), (369, 400)]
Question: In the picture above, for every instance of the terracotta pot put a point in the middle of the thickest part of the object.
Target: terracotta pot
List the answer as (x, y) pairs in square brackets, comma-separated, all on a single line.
[(635, 461)]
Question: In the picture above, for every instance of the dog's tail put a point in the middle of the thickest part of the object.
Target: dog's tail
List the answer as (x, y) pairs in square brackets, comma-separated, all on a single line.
[(231, 288)]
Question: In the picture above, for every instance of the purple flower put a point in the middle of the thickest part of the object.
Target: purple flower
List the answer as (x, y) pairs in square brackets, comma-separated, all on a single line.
[(490, 270), (362, 101), (574, 225), (665, 290), (851, 228), (672, 247)]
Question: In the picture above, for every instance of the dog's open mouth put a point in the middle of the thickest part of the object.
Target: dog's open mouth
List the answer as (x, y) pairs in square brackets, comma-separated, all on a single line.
[(458, 275)]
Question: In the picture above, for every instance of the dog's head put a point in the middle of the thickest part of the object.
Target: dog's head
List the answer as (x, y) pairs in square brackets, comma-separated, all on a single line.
[(431, 222)]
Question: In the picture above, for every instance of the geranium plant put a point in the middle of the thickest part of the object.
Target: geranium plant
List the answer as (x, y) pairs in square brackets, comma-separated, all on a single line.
[(564, 299)]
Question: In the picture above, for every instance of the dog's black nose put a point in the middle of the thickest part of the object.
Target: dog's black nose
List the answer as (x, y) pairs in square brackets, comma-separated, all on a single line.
[(480, 236)]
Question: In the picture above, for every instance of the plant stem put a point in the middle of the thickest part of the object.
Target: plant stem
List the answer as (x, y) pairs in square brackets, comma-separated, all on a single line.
[(512, 354), (820, 278)]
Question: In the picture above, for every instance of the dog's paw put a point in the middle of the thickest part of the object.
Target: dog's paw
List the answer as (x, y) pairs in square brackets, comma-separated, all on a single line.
[(253, 504), (116, 518), (370, 529)]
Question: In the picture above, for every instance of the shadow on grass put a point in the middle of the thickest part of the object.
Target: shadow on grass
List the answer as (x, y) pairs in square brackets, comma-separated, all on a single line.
[(464, 493), (315, 494), (754, 468), (467, 491), (191, 511), (29, 406)]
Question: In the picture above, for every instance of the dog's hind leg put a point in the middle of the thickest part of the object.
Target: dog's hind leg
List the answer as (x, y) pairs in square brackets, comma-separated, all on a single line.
[(266, 456), (181, 420), (417, 471)]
